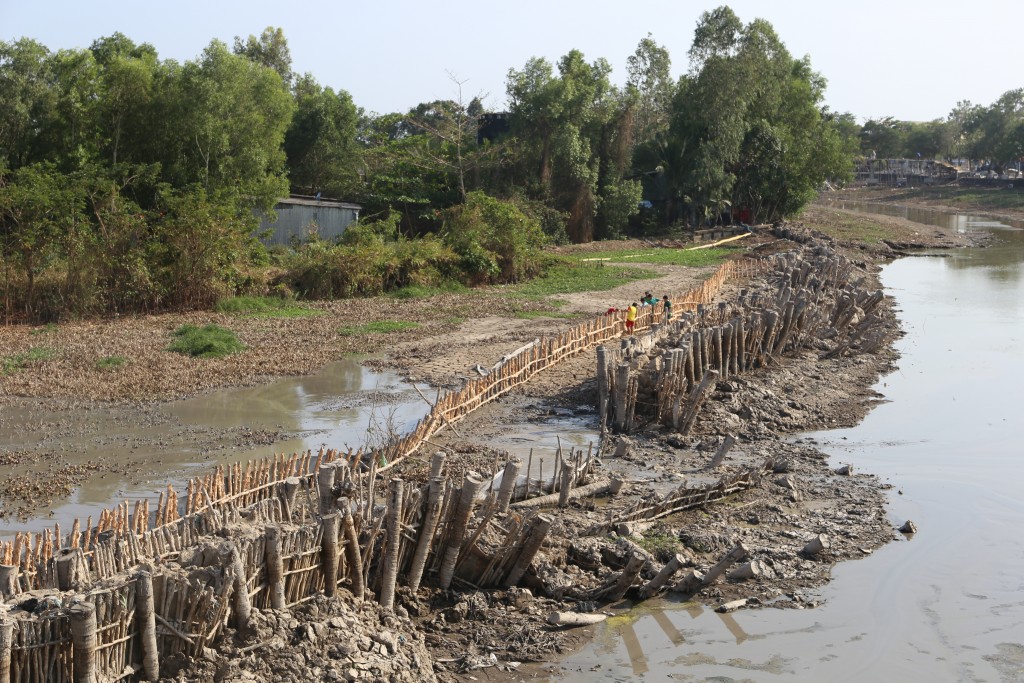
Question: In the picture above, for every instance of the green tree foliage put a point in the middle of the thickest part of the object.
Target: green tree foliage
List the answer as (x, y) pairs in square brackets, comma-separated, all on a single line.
[(270, 49), (321, 141), (495, 240)]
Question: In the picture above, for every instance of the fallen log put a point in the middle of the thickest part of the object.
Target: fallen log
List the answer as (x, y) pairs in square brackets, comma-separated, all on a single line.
[(695, 580), (731, 606), (594, 489), (748, 570), (816, 545), (574, 619), (662, 577)]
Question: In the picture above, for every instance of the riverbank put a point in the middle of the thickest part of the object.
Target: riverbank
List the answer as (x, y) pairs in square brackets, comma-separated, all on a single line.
[(465, 629)]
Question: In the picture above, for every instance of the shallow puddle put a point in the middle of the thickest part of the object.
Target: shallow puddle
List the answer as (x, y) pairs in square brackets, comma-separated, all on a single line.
[(133, 453)]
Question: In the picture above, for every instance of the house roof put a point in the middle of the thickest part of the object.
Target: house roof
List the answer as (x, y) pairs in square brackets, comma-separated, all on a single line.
[(312, 201)]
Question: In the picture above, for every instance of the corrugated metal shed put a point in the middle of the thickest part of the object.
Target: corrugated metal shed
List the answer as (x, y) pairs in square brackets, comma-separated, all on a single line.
[(298, 216)]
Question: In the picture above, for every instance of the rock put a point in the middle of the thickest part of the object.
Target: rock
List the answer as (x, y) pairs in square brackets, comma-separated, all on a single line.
[(845, 470), (787, 482), (908, 528)]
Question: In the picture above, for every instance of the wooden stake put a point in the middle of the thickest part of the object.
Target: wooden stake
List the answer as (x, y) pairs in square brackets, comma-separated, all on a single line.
[(435, 500), (274, 567), (82, 618), (145, 618), (329, 554), (394, 544), (471, 485)]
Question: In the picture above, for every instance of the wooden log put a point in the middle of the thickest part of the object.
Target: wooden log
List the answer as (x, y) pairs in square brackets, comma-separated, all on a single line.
[(68, 570), (242, 602), (574, 618), (394, 544), (471, 486), (627, 576), (352, 555), (696, 400), (145, 619), (435, 501), (329, 553), (6, 643), (593, 489), (535, 536), (274, 567), (508, 483), (603, 386), (748, 570), (731, 606), (82, 620), (692, 582), (735, 555), (661, 578), (816, 545)]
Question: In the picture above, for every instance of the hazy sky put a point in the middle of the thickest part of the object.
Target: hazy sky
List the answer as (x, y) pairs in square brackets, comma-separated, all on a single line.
[(912, 59)]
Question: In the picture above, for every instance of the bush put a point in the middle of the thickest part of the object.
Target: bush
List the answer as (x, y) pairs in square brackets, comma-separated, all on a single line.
[(209, 341)]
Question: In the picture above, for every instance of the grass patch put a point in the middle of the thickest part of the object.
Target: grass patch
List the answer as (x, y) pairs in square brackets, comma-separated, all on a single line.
[(711, 256), (209, 341), (264, 307), (422, 292), (454, 320), (45, 329), (378, 327), (18, 361), (661, 545), (111, 362), (569, 276)]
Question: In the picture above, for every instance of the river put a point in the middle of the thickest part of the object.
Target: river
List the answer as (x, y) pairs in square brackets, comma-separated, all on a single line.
[(946, 604)]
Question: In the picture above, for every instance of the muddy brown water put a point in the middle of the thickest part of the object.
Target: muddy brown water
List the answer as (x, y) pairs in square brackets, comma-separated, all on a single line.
[(139, 452), (944, 605)]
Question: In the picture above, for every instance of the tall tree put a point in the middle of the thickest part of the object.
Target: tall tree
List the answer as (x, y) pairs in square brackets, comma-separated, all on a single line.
[(321, 141), (270, 49)]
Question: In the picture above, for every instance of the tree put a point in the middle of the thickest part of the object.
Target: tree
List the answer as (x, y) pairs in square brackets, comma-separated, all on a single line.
[(269, 50), (320, 144), (648, 70), (26, 99)]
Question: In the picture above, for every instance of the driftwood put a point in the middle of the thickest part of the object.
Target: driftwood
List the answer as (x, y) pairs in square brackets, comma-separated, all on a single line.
[(574, 618), (731, 606), (593, 489)]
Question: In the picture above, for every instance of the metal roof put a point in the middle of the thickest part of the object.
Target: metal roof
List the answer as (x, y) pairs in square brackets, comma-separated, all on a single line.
[(325, 203)]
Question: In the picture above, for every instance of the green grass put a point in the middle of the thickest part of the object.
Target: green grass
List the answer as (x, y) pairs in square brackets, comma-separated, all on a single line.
[(569, 276), (210, 341), (422, 292), (11, 364), (846, 226), (111, 362), (661, 545), (264, 307), (378, 327), (699, 258), (454, 320)]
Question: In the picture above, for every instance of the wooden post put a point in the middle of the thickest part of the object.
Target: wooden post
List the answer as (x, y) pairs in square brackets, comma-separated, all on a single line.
[(437, 464), (435, 501), (9, 580), (325, 485), (145, 617), (242, 602), (394, 544), (275, 567), (534, 540), (6, 643), (329, 554), (737, 554), (696, 400), (471, 485), (82, 618), (565, 485), (727, 443), (603, 387), (352, 554), (288, 491), (506, 492)]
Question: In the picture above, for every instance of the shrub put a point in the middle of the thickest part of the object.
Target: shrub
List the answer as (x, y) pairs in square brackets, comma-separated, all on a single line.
[(209, 341)]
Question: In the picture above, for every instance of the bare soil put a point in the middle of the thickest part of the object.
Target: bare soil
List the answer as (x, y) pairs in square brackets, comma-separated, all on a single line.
[(472, 634)]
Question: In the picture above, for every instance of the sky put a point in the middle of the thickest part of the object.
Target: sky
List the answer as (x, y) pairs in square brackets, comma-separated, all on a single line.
[(910, 59)]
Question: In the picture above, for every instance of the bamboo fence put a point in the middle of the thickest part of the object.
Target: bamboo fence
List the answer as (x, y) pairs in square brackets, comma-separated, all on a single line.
[(106, 600)]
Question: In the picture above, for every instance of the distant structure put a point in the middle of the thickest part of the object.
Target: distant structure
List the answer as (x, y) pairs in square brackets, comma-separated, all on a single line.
[(299, 216), (492, 126)]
